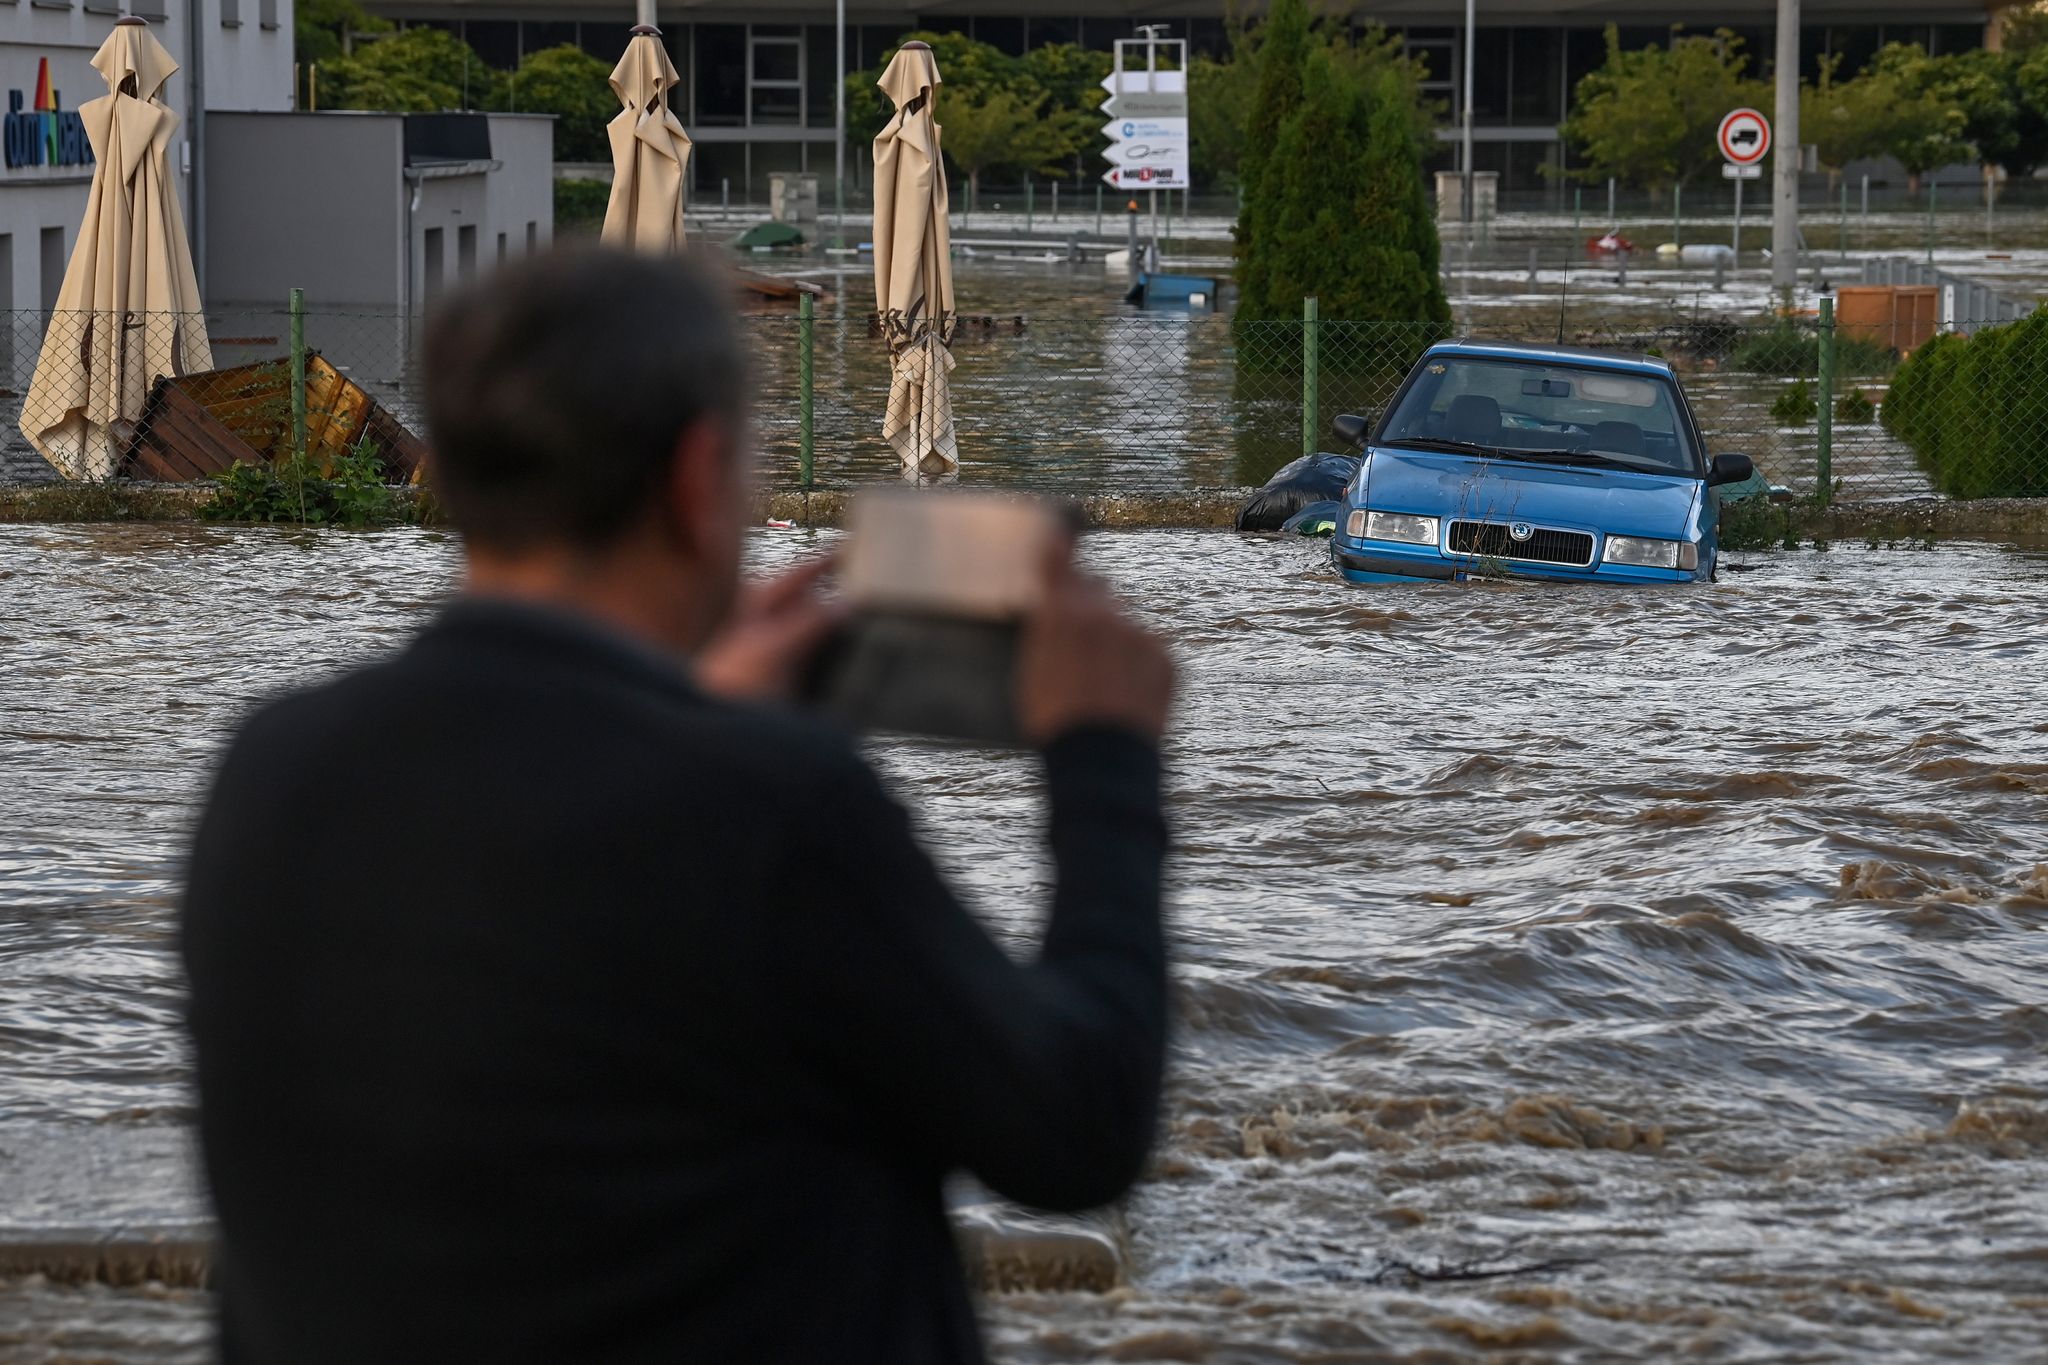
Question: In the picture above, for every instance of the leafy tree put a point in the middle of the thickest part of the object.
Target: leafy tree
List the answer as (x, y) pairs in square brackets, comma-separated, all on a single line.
[(2026, 29), (1846, 120), (418, 71), (1071, 78), (1283, 48), (325, 29), (1930, 126), (1001, 129), (1036, 115), (1649, 117), (1220, 117), (574, 86), (1341, 209)]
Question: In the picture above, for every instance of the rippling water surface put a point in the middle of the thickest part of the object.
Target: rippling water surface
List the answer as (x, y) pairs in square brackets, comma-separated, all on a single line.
[(1575, 973)]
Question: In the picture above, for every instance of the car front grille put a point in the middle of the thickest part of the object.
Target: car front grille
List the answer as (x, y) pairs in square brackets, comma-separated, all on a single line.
[(1545, 545)]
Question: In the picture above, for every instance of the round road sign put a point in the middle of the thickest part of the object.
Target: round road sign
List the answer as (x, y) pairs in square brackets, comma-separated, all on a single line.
[(1745, 137)]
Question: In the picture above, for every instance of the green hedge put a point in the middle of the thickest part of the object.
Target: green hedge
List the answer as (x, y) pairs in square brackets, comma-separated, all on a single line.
[(1975, 410)]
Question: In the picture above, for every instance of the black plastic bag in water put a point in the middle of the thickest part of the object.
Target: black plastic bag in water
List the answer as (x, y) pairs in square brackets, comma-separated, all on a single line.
[(1312, 478)]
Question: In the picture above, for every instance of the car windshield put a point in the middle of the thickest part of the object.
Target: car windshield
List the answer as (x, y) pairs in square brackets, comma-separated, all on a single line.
[(1547, 411)]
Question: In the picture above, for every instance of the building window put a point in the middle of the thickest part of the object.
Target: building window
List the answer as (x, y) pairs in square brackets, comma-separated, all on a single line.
[(266, 14), (501, 248), (430, 254), (532, 237), (1046, 32), (153, 10), (230, 13), (821, 52), (102, 6), (1538, 75), (465, 251), (494, 40), (721, 73), (49, 4), (1004, 35), (775, 88), (540, 35), (606, 42)]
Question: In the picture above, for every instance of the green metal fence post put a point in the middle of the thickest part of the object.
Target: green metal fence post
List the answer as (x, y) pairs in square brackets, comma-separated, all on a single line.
[(1824, 456), (1030, 188), (1578, 207), (1932, 187), (1311, 363), (805, 326), (1098, 208), (1677, 201), (299, 373)]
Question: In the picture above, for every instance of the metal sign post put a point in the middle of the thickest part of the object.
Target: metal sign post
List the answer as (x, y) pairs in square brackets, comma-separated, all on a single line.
[(1148, 119), (1745, 139)]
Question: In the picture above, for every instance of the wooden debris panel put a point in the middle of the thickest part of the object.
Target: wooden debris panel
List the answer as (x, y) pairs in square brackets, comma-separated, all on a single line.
[(200, 425)]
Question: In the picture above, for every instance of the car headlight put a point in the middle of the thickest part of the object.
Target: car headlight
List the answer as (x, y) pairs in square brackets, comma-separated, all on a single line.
[(1651, 554), (1395, 526)]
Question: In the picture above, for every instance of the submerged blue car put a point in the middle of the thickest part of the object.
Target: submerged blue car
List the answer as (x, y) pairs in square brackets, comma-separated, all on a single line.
[(1546, 462)]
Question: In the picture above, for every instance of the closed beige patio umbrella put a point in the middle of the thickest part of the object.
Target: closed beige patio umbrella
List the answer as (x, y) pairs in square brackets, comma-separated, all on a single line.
[(650, 151), (914, 270), (129, 307)]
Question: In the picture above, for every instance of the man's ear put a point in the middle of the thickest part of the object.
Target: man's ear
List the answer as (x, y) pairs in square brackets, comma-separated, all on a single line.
[(698, 496)]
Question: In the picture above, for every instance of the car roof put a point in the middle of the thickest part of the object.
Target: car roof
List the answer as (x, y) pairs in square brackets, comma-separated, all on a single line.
[(1567, 355)]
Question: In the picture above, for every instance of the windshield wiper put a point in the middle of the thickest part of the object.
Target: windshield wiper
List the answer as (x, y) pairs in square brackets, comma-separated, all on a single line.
[(1577, 457), (1511, 452), (1447, 446)]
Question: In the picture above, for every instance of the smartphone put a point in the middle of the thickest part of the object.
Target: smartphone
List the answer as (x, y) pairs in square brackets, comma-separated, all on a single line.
[(939, 583)]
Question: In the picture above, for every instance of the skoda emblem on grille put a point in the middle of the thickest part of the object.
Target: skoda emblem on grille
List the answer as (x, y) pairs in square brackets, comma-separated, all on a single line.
[(1521, 530)]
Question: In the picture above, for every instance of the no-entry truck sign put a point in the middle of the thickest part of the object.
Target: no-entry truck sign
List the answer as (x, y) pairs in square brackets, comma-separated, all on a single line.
[(1745, 137)]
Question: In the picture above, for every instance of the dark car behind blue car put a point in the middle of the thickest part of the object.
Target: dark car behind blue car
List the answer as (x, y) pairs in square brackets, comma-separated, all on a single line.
[(1547, 462)]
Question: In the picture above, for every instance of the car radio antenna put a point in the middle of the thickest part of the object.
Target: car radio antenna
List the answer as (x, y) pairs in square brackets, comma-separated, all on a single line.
[(1563, 291)]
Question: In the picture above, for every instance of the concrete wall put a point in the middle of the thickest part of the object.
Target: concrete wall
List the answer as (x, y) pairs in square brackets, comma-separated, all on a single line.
[(523, 192), (315, 201), (326, 203)]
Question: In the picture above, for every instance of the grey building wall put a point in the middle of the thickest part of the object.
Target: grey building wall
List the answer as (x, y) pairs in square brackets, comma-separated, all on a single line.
[(325, 202), (522, 195), (314, 201)]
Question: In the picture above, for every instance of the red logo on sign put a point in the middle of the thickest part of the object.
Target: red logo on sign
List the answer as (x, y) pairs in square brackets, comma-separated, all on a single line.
[(1745, 137)]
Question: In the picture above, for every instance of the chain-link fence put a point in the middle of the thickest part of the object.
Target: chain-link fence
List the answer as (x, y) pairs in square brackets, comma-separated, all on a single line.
[(1142, 401)]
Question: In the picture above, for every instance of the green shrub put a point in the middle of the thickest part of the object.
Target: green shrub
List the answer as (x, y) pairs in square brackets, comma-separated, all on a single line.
[(1975, 410), (1785, 349), (580, 203), (1854, 406), (296, 490), (1795, 403)]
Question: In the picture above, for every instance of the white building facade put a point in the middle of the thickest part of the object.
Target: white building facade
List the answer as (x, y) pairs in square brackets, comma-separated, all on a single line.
[(243, 63)]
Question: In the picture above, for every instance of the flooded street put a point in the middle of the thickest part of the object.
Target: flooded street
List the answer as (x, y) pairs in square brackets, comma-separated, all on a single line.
[(1567, 973)]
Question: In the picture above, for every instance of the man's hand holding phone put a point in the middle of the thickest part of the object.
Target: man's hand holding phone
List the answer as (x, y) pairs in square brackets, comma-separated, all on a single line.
[(1084, 661)]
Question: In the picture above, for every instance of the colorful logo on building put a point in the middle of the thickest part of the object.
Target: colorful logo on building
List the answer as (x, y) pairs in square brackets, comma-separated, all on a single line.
[(43, 135)]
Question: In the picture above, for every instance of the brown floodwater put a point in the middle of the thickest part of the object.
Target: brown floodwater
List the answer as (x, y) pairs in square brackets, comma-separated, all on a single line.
[(1564, 973)]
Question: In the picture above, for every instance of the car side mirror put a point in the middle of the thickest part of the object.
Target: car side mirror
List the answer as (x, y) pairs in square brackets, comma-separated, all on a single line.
[(1729, 468), (1351, 427)]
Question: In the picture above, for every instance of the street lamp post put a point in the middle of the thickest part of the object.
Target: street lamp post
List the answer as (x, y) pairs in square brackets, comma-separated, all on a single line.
[(1786, 153), (1465, 153), (839, 125)]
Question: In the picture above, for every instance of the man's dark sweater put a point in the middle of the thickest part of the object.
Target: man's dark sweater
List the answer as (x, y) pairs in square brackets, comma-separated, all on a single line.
[(547, 1009)]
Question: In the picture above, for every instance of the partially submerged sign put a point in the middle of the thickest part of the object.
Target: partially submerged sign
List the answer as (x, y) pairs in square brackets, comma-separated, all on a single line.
[(1148, 118)]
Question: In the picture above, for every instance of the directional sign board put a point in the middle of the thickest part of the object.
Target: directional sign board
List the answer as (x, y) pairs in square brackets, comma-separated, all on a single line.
[(1147, 129), (1745, 137)]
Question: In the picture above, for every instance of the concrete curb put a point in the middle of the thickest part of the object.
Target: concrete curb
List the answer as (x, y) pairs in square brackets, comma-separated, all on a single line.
[(1004, 1251), (1203, 509)]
